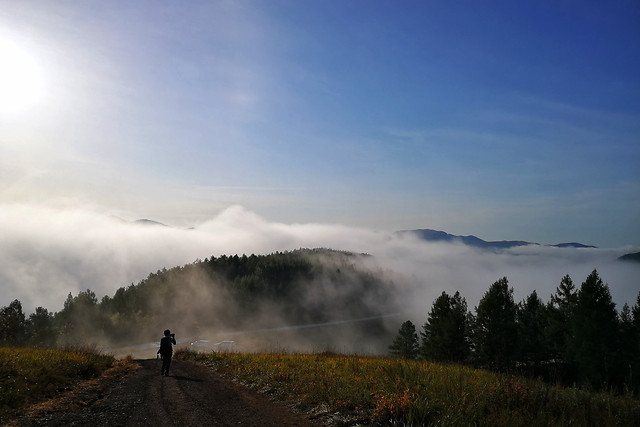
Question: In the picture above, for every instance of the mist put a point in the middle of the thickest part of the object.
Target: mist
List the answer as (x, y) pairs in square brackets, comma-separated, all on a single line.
[(47, 253)]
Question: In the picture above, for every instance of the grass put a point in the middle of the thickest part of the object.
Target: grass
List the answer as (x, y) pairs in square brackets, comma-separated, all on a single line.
[(389, 391), (29, 375)]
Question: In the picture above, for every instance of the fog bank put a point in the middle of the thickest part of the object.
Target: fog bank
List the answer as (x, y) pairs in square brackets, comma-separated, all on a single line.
[(46, 253)]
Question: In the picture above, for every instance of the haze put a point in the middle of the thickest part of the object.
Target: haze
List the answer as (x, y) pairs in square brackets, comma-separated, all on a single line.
[(509, 120), (47, 253), (275, 125)]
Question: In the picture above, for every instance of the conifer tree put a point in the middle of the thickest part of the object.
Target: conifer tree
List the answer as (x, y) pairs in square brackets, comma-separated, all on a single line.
[(12, 324), (405, 344), (41, 332), (559, 331), (494, 333), (633, 379), (532, 323), (445, 334), (627, 349), (595, 332)]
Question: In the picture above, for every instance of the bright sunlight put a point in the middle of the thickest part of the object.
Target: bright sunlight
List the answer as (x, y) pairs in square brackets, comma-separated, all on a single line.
[(21, 82)]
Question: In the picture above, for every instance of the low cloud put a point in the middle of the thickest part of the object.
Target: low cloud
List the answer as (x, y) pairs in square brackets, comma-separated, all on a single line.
[(46, 253)]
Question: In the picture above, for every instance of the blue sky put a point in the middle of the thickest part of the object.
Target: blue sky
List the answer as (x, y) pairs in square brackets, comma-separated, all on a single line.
[(507, 120)]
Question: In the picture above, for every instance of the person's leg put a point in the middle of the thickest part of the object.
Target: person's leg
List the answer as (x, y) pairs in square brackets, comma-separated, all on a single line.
[(168, 359), (165, 366)]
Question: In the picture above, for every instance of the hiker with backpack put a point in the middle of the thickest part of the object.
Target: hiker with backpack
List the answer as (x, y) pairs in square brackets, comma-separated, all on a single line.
[(166, 351)]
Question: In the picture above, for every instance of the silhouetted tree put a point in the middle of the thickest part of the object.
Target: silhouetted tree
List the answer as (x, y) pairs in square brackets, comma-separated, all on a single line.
[(40, 330), (79, 321), (559, 331), (445, 334), (595, 332), (405, 344), (627, 349), (12, 324), (494, 333), (532, 322), (635, 312)]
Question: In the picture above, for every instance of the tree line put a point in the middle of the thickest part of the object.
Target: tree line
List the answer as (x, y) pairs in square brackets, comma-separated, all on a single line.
[(228, 292), (577, 337)]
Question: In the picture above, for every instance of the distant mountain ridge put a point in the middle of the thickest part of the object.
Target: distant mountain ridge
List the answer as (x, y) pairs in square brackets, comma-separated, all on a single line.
[(431, 235), (634, 257), (441, 236), (145, 221)]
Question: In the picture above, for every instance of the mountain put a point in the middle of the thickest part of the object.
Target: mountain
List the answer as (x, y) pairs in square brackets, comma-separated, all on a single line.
[(145, 221), (635, 257), (573, 245), (441, 236)]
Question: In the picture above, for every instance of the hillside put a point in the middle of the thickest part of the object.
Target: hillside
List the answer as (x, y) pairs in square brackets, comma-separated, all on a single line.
[(259, 300), (634, 257)]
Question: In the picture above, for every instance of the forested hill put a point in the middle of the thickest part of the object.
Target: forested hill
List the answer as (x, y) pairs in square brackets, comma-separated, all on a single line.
[(230, 294)]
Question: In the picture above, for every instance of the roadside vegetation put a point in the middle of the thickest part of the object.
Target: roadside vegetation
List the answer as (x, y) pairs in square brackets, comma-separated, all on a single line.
[(396, 391), (578, 337), (29, 375)]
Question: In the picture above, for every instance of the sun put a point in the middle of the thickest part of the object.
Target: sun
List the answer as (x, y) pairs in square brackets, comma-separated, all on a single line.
[(21, 82)]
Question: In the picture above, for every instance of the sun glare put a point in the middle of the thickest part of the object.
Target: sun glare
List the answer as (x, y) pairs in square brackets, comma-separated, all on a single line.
[(21, 82)]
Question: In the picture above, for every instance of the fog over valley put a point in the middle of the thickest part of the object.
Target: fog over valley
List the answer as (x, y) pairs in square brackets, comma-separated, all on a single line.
[(47, 253)]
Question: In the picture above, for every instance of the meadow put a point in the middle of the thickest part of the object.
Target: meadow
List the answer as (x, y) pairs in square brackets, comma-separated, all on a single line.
[(393, 391), (29, 375)]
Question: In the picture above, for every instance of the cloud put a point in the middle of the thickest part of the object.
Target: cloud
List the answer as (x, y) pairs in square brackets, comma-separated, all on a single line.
[(47, 252)]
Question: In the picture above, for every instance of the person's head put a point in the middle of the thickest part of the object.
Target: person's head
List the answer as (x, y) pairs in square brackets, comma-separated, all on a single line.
[(167, 333)]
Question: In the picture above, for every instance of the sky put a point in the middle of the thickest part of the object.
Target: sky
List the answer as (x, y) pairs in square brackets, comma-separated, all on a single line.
[(273, 125), (506, 120)]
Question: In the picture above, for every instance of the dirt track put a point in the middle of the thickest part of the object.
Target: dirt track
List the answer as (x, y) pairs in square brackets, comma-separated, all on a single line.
[(192, 395)]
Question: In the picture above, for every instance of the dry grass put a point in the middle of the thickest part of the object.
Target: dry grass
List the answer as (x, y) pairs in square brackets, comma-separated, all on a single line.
[(35, 381), (398, 392)]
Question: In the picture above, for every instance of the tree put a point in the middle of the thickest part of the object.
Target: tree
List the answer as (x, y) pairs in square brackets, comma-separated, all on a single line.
[(12, 324), (566, 295), (630, 329), (627, 348), (532, 322), (560, 332), (40, 328), (595, 332), (405, 344), (635, 313), (80, 320), (494, 334), (444, 336)]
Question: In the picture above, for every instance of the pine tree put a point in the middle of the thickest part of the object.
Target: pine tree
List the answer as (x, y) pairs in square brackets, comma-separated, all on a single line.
[(494, 334), (633, 381), (595, 332), (635, 313), (444, 336), (532, 323), (12, 324), (405, 344), (566, 294), (627, 348), (40, 328), (559, 331)]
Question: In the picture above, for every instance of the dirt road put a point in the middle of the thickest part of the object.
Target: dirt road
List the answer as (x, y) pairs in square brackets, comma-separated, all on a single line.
[(193, 395)]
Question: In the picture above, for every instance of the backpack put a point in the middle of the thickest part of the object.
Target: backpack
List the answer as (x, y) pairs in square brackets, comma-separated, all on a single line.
[(165, 346)]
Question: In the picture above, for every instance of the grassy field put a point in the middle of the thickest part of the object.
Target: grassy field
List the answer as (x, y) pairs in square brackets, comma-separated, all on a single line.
[(29, 375), (391, 391)]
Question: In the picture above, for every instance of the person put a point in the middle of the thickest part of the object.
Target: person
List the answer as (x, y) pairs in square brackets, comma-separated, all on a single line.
[(166, 351)]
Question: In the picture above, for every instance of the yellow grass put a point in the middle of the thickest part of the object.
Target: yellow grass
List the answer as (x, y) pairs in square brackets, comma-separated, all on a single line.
[(400, 392), (28, 375)]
